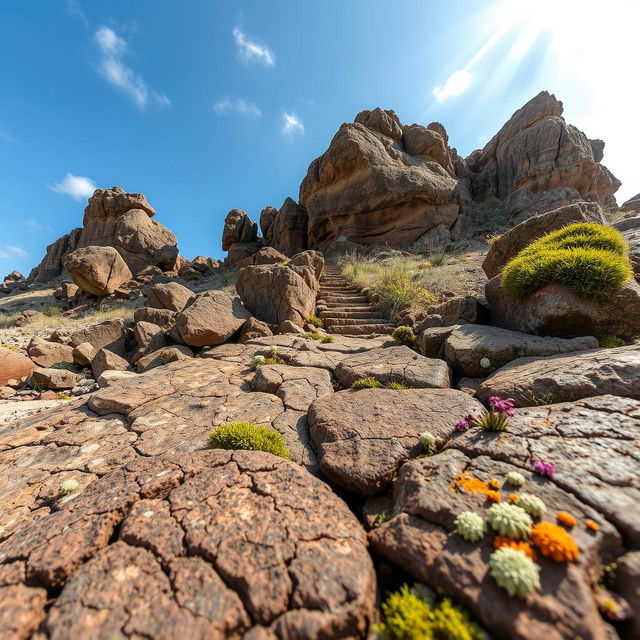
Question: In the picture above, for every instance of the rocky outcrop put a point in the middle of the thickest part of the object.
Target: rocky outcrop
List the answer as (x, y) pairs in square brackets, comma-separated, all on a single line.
[(267, 216), (566, 377), (288, 230), (372, 186), (287, 558), (538, 162), (509, 244), (555, 310), (110, 334), (97, 270), (266, 255), (239, 237), (632, 204), (50, 266), (276, 293), (169, 295)]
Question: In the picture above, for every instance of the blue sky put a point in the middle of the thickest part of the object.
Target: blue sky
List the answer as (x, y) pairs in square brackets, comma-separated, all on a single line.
[(206, 106)]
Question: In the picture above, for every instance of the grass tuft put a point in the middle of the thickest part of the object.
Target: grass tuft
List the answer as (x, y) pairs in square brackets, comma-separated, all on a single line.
[(248, 436), (366, 383)]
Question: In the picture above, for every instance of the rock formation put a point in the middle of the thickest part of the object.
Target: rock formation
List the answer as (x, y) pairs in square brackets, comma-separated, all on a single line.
[(97, 270), (288, 229), (631, 205), (239, 236)]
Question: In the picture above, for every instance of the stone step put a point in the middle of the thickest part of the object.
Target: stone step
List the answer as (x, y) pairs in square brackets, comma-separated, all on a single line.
[(331, 314), (346, 309), (343, 322), (363, 329), (337, 299)]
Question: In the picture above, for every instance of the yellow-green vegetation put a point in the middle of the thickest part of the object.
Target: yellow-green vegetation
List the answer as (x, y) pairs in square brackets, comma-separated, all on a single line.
[(611, 342), (315, 321), (327, 339), (68, 366), (408, 615), (589, 258), (366, 383), (316, 335), (248, 436), (259, 360), (405, 336), (63, 396), (397, 386)]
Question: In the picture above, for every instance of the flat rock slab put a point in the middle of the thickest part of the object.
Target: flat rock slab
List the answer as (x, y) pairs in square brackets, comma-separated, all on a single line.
[(362, 437), (421, 537), (563, 378), (593, 443), (208, 545), (476, 350), (297, 387), (395, 364)]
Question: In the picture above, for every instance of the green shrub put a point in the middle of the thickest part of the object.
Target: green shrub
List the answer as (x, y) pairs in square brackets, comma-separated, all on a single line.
[(589, 258), (405, 336), (67, 366), (366, 383), (248, 436), (313, 335), (611, 342), (408, 615), (398, 386), (315, 321), (327, 339)]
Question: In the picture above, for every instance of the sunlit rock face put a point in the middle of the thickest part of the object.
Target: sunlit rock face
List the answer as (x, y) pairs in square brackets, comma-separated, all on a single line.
[(380, 182), (538, 162)]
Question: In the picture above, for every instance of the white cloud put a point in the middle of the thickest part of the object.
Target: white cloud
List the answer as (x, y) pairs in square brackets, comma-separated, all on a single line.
[(7, 252), (236, 105), (78, 187), (74, 8), (113, 49), (291, 124), (458, 82), (250, 51)]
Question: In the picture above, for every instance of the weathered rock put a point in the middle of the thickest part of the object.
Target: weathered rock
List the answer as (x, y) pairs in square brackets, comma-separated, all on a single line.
[(84, 353), (477, 350), (162, 356), (556, 311), (267, 216), (632, 204), (143, 242), (509, 244), (254, 328), (395, 364), (421, 537), (632, 236), (370, 189), (286, 554), (109, 334), (538, 162), (106, 360), (289, 327), (266, 255), (51, 265), (288, 230), (362, 437), (240, 252), (432, 340), (97, 270), (454, 310), (567, 377), (212, 318), (275, 293), (54, 379), (238, 227), (45, 353), (628, 585), (149, 337), (109, 204), (112, 376), (161, 317), (14, 366)]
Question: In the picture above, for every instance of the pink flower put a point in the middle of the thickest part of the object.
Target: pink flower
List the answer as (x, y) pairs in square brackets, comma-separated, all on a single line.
[(461, 425), (543, 468)]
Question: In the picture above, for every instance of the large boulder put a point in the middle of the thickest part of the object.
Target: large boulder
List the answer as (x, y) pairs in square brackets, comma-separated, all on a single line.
[(110, 334), (53, 379), (144, 242), (267, 216), (266, 255), (632, 204), (97, 270), (555, 310), (212, 318), (510, 243), (476, 350), (288, 230), (538, 162), (276, 293), (106, 360), (45, 353), (215, 544), (566, 377), (169, 295), (14, 366), (50, 266), (370, 187), (238, 227)]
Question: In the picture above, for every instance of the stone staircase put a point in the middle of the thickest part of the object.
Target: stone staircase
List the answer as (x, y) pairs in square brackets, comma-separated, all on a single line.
[(345, 309)]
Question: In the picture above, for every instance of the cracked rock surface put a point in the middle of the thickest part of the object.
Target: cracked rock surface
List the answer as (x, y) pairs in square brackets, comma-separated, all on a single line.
[(213, 544), (362, 437)]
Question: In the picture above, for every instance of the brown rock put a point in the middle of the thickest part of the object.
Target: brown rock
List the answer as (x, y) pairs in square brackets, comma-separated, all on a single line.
[(254, 328), (211, 319), (477, 350), (289, 327), (97, 270), (632, 204), (54, 379), (286, 553), (238, 228), (632, 236), (266, 255), (628, 586), (363, 437), (432, 340), (106, 360), (288, 231), (555, 310), (109, 334), (567, 377), (170, 295), (161, 317), (267, 216), (51, 265), (45, 353), (14, 366), (395, 364), (240, 252), (162, 356), (149, 337), (84, 353), (510, 243)]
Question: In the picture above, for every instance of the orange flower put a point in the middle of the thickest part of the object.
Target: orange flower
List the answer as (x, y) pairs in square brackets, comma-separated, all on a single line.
[(494, 496), (525, 547), (594, 526), (513, 497), (554, 542), (494, 484), (566, 519)]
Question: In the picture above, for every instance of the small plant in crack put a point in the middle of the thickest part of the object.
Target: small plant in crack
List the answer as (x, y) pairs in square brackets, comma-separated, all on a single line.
[(250, 437)]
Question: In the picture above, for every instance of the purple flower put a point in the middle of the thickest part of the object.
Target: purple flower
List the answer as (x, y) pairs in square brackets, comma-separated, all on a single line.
[(469, 417), (503, 406), (544, 468), (461, 425)]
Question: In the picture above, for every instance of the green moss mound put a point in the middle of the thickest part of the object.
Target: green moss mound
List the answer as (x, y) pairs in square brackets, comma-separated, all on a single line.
[(589, 258), (366, 383), (248, 436), (409, 616), (405, 336)]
